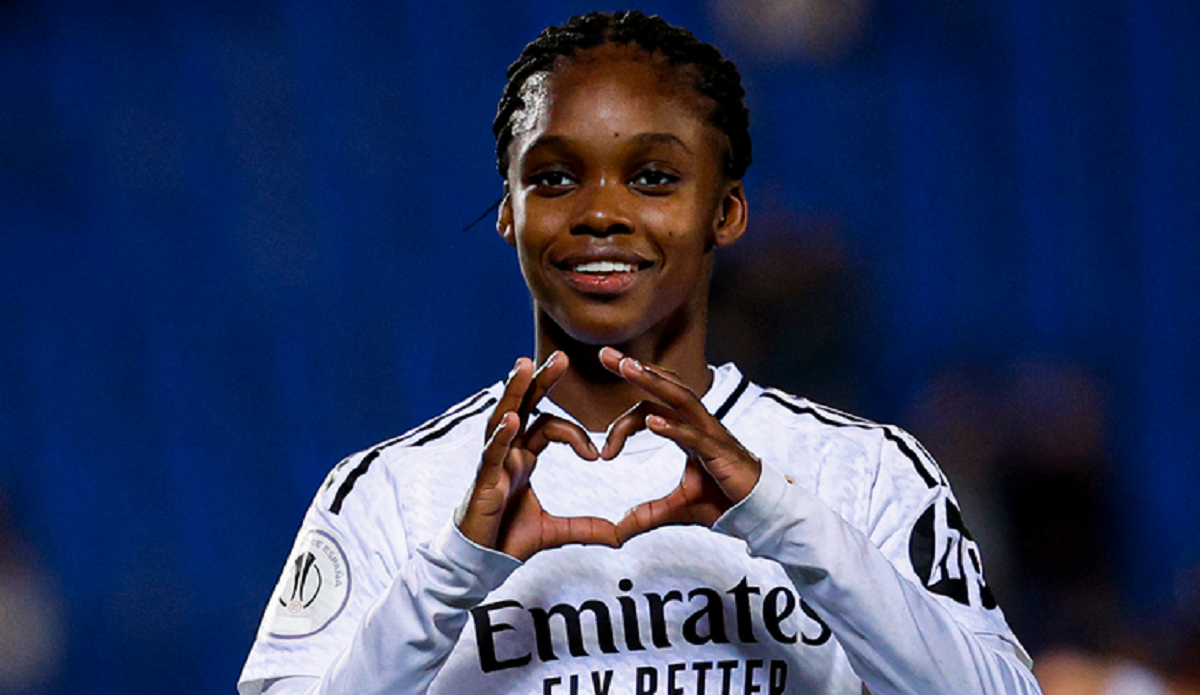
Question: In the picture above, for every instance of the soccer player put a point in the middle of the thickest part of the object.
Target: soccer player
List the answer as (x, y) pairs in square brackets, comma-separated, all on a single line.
[(617, 516)]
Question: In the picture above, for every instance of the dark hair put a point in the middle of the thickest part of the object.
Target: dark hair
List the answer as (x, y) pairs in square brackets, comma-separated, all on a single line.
[(716, 77)]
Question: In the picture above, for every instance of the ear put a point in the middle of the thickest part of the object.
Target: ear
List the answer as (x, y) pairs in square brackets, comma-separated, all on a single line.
[(733, 216), (504, 219)]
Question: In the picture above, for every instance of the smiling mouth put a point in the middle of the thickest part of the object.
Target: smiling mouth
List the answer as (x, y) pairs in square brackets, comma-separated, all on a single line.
[(604, 268), (603, 276)]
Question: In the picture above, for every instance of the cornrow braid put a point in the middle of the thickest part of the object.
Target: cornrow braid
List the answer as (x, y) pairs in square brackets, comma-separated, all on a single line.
[(716, 77)]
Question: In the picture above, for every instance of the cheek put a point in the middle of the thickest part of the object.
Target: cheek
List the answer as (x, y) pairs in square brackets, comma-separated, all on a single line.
[(670, 223), (532, 215), (688, 228), (520, 216), (526, 253), (520, 228), (530, 240)]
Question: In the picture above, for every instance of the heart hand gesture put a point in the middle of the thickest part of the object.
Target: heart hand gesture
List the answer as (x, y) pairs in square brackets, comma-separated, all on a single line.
[(502, 511), (720, 472)]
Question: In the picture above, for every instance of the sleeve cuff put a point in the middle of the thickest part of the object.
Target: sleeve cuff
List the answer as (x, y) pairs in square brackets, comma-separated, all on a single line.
[(757, 509), (489, 567)]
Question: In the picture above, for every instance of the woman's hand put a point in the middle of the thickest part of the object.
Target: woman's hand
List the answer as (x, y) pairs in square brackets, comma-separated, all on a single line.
[(502, 512), (720, 472)]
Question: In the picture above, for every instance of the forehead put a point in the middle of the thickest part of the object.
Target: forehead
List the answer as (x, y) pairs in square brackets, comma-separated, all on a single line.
[(619, 88)]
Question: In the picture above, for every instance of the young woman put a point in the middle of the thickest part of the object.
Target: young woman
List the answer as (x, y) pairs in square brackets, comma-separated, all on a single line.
[(770, 545)]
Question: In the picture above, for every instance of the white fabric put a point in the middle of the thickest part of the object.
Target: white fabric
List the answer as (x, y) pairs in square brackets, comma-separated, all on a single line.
[(807, 586)]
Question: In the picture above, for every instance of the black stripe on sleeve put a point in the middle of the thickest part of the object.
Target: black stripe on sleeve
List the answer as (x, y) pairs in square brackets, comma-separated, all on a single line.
[(348, 483), (441, 431), (448, 414), (733, 397), (888, 432), (429, 424), (361, 469)]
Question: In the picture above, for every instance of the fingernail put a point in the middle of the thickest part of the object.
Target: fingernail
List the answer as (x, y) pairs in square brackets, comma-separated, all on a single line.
[(634, 363), (516, 366), (656, 421)]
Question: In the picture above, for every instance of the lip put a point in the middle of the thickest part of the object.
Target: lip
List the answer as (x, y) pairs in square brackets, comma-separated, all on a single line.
[(608, 283)]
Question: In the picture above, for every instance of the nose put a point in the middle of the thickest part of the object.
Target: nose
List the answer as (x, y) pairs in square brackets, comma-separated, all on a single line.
[(602, 210)]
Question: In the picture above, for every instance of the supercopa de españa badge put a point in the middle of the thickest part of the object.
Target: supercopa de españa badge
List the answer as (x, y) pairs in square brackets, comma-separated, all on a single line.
[(313, 589)]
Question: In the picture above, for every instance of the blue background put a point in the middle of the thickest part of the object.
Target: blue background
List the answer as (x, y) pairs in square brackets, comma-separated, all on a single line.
[(233, 252)]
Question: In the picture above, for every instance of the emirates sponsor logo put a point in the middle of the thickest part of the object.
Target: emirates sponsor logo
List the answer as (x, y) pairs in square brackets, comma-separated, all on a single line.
[(511, 635)]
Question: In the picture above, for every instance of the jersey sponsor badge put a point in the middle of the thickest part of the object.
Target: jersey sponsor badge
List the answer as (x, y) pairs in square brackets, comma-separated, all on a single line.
[(313, 589), (947, 558)]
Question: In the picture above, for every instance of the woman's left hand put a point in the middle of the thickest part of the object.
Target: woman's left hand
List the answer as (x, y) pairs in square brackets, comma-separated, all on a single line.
[(720, 472)]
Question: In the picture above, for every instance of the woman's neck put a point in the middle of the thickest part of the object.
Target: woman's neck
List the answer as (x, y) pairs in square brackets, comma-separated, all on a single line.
[(593, 395)]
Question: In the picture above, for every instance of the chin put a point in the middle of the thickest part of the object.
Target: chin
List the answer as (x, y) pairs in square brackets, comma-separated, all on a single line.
[(601, 335), (596, 331)]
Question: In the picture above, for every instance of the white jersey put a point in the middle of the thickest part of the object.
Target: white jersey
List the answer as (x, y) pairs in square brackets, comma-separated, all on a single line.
[(847, 564)]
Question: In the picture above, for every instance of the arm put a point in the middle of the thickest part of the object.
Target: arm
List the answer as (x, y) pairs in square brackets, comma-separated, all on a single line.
[(401, 640), (407, 633), (898, 636)]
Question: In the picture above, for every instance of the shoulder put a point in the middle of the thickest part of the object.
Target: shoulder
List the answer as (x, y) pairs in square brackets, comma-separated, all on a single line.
[(369, 516), (886, 444), (868, 471), (904, 502), (455, 434)]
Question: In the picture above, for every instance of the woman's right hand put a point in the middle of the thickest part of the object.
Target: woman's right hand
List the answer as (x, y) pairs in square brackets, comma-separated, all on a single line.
[(502, 512)]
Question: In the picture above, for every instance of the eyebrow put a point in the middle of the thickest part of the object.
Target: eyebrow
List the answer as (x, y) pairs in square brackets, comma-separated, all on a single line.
[(660, 139), (642, 139)]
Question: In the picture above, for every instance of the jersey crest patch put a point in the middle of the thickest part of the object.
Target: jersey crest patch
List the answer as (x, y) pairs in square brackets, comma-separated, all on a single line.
[(947, 558), (313, 589)]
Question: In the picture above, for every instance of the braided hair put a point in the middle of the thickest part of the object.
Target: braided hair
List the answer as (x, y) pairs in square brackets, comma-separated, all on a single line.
[(714, 76)]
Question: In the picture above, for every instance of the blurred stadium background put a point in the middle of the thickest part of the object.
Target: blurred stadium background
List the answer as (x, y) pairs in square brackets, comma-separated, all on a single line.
[(233, 248)]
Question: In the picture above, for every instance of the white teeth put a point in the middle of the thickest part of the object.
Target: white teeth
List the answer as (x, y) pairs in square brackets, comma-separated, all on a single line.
[(605, 267)]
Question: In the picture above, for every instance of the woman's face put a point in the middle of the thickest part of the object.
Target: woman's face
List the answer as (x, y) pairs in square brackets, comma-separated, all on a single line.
[(617, 196)]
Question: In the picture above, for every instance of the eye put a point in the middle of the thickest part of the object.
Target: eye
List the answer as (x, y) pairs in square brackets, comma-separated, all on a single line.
[(653, 181), (551, 182)]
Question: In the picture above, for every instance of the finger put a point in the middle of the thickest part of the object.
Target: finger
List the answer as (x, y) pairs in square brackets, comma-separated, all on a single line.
[(542, 381), (549, 428), (665, 387), (735, 470), (610, 359), (629, 423), (560, 531), (497, 448), (529, 529), (518, 465), (661, 383), (650, 515), (649, 378), (693, 502), (514, 391), (689, 438), (488, 499)]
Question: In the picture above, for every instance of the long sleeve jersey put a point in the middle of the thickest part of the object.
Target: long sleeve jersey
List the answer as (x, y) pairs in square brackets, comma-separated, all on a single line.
[(848, 565)]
